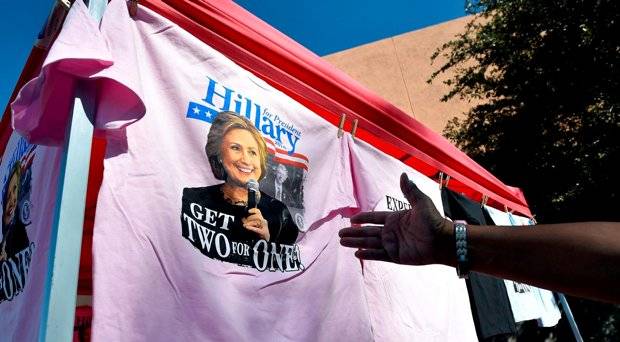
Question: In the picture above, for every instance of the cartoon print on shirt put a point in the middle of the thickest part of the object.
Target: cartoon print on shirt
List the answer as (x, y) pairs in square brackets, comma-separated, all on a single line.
[(15, 247)]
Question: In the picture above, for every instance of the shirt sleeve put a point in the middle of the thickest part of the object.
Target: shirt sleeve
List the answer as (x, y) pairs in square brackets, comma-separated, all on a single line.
[(81, 52)]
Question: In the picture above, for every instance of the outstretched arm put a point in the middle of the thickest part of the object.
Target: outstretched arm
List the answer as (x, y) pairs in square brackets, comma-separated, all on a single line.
[(576, 258)]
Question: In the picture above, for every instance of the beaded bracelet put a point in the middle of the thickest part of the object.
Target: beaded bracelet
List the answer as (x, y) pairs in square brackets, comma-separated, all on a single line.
[(462, 259)]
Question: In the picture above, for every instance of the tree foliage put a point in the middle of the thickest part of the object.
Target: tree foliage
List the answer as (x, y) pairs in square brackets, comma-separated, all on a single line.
[(544, 78), (545, 75)]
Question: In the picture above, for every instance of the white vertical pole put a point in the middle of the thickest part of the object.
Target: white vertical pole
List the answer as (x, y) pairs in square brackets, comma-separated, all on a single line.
[(569, 317), (58, 310)]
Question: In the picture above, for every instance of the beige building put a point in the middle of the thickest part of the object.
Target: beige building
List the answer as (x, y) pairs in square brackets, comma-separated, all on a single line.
[(397, 69)]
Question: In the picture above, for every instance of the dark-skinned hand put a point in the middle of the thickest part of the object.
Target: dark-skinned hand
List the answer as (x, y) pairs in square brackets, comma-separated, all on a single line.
[(418, 236)]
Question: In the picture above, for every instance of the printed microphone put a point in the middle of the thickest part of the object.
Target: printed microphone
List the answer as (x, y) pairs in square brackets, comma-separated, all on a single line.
[(253, 193)]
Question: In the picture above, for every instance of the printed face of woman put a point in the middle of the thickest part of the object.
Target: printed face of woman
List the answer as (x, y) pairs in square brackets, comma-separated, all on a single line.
[(240, 157), (11, 199)]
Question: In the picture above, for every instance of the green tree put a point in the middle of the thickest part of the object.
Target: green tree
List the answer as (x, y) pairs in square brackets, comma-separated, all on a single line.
[(547, 76), (544, 77)]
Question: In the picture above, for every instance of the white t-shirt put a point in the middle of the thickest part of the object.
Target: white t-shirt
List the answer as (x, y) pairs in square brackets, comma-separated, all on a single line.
[(527, 302)]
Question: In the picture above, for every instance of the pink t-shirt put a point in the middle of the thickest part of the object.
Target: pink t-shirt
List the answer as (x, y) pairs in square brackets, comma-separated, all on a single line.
[(28, 175), (417, 303), (163, 247)]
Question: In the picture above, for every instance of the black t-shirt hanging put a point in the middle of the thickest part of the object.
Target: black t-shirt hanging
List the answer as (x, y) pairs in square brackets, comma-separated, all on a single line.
[(487, 295)]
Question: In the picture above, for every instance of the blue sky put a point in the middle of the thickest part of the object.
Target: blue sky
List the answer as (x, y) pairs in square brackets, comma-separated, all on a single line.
[(326, 26), (323, 26), (20, 24)]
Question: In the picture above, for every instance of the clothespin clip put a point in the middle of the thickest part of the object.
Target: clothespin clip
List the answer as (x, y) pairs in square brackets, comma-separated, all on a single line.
[(343, 117), (506, 209), (355, 121), (132, 6), (440, 180), (65, 3), (484, 201), (53, 24), (447, 180)]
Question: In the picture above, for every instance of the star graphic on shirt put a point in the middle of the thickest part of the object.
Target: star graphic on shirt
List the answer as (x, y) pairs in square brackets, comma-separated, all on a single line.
[(196, 110), (208, 114)]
